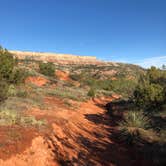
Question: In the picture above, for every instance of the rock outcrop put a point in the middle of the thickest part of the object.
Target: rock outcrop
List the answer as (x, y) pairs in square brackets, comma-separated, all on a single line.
[(56, 58)]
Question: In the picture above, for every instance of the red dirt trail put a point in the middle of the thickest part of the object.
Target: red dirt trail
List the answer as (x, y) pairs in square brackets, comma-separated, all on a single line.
[(76, 138)]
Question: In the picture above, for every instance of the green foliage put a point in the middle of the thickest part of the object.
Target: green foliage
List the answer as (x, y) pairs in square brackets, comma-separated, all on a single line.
[(148, 95), (12, 90), (91, 93), (76, 77), (77, 94), (99, 84), (163, 67), (9, 74), (156, 76), (47, 69), (3, 90), (19, 92), (135, 119), (7, 64), (153, 74), (18, 76), (10, 117), (123, 86), (133, 125), (22, 93)]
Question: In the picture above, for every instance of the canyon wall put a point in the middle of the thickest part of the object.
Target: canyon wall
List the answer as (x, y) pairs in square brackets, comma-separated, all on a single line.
[(56, 58)]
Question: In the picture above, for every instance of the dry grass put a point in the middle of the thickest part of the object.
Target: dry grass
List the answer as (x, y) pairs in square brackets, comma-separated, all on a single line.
[(10, 117)]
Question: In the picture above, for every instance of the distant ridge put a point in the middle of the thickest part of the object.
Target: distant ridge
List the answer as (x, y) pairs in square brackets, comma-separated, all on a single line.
[(56, 57)]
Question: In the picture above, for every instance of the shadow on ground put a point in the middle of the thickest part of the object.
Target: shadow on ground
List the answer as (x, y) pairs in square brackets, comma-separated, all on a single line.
[(105, 149)]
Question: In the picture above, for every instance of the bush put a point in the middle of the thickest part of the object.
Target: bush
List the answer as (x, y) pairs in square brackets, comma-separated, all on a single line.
[(3, 90), (76, 77), (154, 74), (99, 84), (8, 73), (123, 87), (12, 90), (22, 93), (149, 96), (135, 119), (11, 117), (18, 76), (91, 93), (7, 64), (133, 126), (47, 69)]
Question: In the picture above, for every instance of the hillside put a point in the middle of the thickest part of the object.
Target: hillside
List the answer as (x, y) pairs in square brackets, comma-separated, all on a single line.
[(56, 58), (56, 111)]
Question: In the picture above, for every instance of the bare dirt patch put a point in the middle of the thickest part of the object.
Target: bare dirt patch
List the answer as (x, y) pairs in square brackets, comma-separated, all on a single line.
[(62, 75), (15, 140), (37, 80)]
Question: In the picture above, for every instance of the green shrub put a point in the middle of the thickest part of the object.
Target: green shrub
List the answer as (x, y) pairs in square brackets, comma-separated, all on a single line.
[(133, 127), (18, 76), (153, 74), (3, 90), (8, 117), (91, 93), (149, 95), (8, 73), (135, 119), (99, 84), (7, 64), (76, 77), (123, 87), (22, 93), (12, 91), (47, 69), (11, 117)]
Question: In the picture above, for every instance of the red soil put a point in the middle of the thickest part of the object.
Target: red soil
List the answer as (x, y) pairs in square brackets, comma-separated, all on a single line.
[(15, 139), (77, 137), (37, 80), (64, 76)]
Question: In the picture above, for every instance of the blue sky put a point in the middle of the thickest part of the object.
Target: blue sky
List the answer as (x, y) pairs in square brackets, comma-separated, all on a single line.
[(132, 31)]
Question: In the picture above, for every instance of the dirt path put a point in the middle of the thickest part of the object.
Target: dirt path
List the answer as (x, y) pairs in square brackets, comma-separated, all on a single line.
[(78, 137)]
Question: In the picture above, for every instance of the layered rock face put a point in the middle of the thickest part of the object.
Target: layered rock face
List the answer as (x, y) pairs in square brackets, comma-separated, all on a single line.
[(56, 58)]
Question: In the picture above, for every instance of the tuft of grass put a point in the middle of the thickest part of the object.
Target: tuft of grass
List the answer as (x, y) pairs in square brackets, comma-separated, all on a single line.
[(135, 119), (10, 117), (22, 93), (31, 121), (12, 90), (91, 93), (133, 127), (76, 94)]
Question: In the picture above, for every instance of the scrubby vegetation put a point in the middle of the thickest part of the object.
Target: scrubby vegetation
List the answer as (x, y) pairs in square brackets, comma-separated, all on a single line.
[(8, 117), (142, 123), (139, 114), (47, 69), (112, 79), (9, 73), (12, 77), (91, 92), (150, 94)]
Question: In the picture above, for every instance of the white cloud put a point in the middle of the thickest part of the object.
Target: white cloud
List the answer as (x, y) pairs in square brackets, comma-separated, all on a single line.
[(154, 61)]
